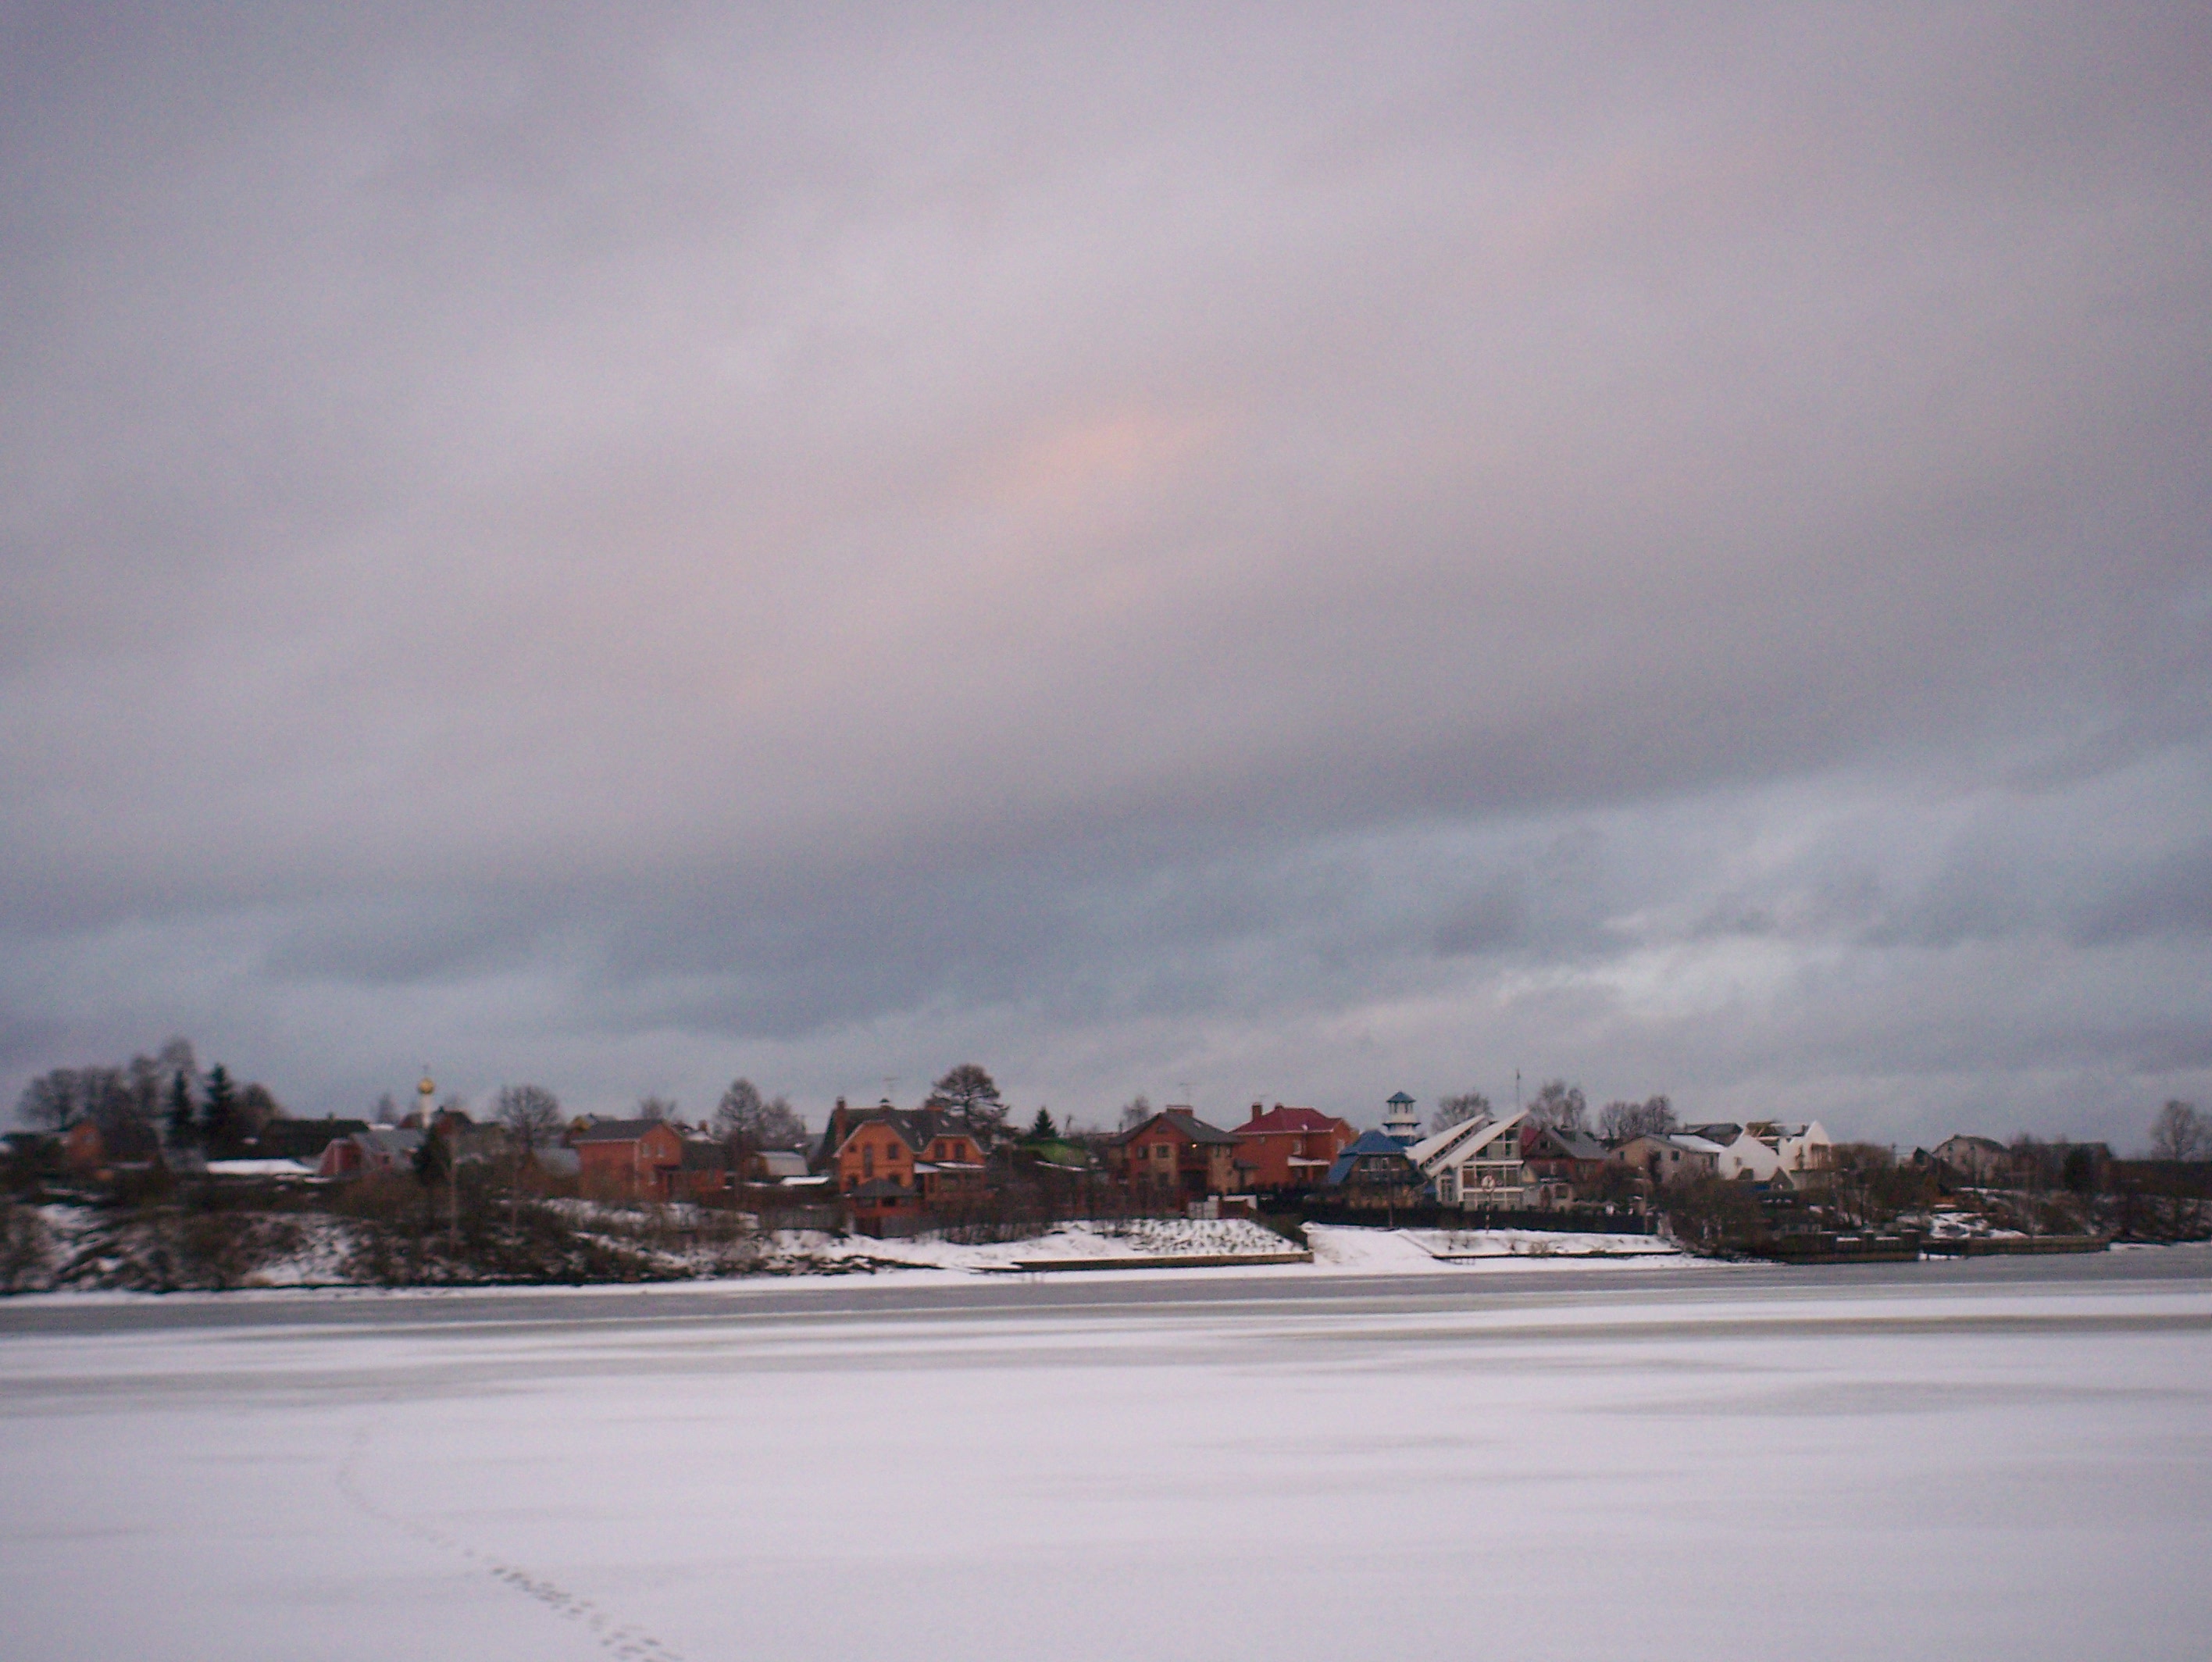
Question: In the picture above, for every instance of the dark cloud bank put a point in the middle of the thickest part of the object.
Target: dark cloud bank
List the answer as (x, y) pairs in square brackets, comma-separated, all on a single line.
[(1293, 555)]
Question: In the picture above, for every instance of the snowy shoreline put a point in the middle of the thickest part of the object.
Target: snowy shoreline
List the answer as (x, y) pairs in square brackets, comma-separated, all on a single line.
[(1151, 1247)]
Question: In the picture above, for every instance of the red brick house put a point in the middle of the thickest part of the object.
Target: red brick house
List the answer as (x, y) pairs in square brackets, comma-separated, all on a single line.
[(1290, 1147), (628, 1159), (1177, 1156), (375, 1152), (900, 1165), (84, 1148)]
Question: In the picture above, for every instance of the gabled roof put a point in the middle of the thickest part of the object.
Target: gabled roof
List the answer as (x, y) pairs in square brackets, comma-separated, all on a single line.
[(1682, 1142), (1723, 1131), (1973, 1142), (1184, 1124), (1575, 1145), (615, 1130), (1280, 1119), (915, 1127)]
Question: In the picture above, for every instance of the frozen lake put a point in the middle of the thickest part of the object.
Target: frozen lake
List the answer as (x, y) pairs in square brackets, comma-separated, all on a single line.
[(1990, 1460)]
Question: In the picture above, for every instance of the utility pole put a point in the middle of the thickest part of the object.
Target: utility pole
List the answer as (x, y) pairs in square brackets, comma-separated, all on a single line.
[(1516, 1091)]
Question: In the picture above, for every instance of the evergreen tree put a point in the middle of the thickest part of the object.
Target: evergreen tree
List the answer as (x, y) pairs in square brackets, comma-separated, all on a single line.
[(430, 1159), (1041, 1130), (182, 1132), (219, 1114)]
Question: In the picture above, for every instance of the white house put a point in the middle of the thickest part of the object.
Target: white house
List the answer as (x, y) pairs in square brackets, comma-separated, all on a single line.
[(1742, 1155), (1481, 1163), (1801, 1147)]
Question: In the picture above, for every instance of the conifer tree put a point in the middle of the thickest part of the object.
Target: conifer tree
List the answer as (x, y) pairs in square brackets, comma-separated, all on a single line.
[(1041, 1130), (219, 1114), (182, 1132)]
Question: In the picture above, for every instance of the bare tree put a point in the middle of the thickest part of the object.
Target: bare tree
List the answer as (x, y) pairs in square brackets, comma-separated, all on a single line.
[(656, 1107), (531, 1113), (969, 1091), (257, 1106), (746, 1118), (1622, 1120), (1458, 1110), (2179, 1134), (1560, 1106), (1136, 1111)]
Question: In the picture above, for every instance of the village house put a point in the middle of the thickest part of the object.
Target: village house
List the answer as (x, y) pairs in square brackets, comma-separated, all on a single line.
[(379, 1150), (1374, 1170), (1482, 1164), (1801, 1147), (302, 1140), (1742, 1155), (628, 1159), (1290, 1149), (1175, 1155), (1555, 1156), (1669, 1157), (1981, 1161), (894, 1166)]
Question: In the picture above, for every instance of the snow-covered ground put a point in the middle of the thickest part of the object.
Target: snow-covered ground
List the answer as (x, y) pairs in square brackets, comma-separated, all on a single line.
[(2006, 1461), (1411, 1251)]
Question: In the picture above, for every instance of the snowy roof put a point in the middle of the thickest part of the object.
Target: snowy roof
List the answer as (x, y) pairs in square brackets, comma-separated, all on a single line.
[(259, 1169), (1723, 1131), (1691, 1140)]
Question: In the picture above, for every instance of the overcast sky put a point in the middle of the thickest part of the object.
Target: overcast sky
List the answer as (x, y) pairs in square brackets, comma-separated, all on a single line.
[(1250, 554)]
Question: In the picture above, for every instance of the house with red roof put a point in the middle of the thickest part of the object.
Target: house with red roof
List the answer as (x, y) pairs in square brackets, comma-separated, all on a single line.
[(1290, 1149)]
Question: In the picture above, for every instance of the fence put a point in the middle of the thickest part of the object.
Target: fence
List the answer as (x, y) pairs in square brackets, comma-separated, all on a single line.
[(1579, 1220)]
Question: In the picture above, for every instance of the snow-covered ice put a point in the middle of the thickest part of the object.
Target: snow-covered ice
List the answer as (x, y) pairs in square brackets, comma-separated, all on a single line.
[(1990, 1460)]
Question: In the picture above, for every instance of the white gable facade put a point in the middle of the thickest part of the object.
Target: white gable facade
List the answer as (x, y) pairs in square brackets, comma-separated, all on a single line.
[(1480, 1163)]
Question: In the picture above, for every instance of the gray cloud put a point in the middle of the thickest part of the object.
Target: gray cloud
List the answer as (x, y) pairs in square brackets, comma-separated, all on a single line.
[(1290, 552)]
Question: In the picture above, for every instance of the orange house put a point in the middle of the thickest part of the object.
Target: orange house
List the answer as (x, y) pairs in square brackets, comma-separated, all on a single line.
[(1290, 1147), (628, 1159), (895, 1163), (1177, 1156)]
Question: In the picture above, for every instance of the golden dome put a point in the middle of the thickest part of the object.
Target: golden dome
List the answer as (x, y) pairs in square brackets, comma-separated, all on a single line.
[(426, 1089)]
